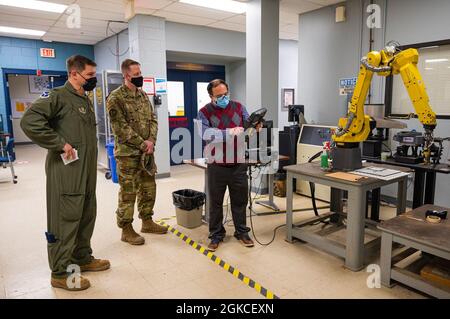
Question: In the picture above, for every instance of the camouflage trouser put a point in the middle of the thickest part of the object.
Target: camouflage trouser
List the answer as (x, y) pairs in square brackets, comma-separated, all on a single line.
[(134, 182)]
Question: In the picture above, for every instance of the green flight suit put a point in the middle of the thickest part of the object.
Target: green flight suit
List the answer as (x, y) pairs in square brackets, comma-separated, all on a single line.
[(133, 121), (56, 118)]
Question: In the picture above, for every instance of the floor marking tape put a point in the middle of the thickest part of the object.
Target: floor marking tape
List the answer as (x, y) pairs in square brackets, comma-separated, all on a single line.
[(220, 262)]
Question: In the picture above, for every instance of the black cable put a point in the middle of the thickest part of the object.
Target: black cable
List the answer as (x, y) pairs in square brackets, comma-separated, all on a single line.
[(312, 186), (388, 148)]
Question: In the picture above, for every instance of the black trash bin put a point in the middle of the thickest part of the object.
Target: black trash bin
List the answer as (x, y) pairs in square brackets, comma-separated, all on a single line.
[(188, 205)]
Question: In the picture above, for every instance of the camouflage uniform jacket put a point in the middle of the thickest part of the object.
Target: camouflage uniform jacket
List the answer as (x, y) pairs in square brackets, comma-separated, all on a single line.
[(132, 119)]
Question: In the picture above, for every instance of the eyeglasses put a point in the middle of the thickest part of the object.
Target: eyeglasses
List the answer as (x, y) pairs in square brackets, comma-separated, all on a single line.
[(221, 96)]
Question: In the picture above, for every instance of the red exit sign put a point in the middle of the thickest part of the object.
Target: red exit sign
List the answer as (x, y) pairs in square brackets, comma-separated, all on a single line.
[(47, 53)]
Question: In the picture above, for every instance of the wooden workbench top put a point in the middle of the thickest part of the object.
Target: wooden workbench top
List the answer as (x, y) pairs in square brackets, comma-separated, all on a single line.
[(314, 170), (412, 225)]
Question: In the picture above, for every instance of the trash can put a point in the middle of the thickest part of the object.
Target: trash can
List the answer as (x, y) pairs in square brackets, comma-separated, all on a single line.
[(188, 204), (112, 162), (279, 184)]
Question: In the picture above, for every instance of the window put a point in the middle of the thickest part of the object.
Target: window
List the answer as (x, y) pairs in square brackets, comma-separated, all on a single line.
[(434, 65)]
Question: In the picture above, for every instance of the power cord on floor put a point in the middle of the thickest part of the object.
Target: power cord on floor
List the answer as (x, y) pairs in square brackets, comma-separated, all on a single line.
[(252, 213)]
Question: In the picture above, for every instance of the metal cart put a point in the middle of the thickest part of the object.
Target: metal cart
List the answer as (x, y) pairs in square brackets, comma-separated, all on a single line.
[(110, 80)]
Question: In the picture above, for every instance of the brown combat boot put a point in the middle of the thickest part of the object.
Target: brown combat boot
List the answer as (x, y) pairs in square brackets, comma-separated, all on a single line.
[(62, 283), (149, 226), (96, 265), (130, 236)]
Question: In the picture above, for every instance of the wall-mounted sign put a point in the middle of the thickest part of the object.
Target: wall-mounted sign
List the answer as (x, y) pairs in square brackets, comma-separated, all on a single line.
[(347, 86), (161, 86), (19, 106), (149, 86), (38, 84), (47, 53), (288, 96)]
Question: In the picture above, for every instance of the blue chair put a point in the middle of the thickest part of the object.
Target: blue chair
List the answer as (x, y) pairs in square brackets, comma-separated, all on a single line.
[(5, 157)]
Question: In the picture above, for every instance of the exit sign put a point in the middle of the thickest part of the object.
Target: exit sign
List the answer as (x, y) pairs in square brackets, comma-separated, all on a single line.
[(47, 53)]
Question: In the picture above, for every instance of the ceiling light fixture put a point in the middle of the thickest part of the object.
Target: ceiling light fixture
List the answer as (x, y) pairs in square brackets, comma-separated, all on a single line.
[(21, 31), (35, 5), (222, 5), (436, 60)]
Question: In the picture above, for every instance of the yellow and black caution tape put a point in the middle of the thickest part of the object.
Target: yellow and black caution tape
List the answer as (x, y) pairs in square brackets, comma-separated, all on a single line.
[(220, 262)]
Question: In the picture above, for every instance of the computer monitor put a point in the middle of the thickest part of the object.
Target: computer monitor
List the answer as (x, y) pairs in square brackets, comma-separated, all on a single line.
[(294, 113)]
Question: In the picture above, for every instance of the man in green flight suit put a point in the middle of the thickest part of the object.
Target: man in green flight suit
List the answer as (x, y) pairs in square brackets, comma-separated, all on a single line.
[(135, 127), (63, 122)]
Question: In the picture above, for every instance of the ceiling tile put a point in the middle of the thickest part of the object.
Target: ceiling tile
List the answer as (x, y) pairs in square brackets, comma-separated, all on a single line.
[(105, 6), (196, 11), (82, 40), (5, 18), (175, 17), (228, 26), (291, 28), (153, 4), (288, 36), (288, 17), (296, 6), (17, 24), (29, 13), (324, 2), (237, 19)]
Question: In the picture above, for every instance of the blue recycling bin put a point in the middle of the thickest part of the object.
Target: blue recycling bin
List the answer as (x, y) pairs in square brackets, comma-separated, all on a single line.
[(112, 162)]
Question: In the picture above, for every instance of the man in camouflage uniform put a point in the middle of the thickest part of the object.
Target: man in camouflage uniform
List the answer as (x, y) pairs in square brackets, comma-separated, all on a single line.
[(135, 128)]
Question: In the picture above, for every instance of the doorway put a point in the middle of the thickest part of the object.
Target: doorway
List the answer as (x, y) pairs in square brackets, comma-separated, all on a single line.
[(187, 94), (22, 87)]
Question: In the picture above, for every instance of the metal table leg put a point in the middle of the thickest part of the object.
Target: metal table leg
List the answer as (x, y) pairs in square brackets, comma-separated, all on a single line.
[(386, 259), (207, 206), (430, 187), (401, 195), (269, 203), (419, 181), (375, 205), (336, 205), (354, 251), (289, 204)]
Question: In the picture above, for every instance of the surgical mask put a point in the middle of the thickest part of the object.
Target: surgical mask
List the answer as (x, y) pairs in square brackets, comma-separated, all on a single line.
[(137, 81), (90, 83), (222, 101)]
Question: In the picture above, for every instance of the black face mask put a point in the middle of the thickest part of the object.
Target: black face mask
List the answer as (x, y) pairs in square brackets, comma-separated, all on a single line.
[(90, 84), (138, 81)]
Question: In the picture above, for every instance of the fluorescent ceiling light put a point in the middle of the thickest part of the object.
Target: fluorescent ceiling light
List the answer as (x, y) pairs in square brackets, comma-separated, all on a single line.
[(436, 60), (21, 31), (429, 69), (223, 5), (35, 5), (430, 47)]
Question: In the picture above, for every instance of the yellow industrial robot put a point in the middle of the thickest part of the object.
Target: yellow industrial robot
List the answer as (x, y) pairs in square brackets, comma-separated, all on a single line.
[(356, 127)]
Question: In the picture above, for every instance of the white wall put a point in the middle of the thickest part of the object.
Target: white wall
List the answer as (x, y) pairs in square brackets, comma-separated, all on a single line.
[(288, 66), (105, 52), (19, 89), (204, 40), (236, 75)]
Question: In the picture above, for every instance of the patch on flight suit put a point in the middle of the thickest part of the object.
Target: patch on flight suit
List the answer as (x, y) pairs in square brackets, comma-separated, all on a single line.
[(45, 94), (82, 110)]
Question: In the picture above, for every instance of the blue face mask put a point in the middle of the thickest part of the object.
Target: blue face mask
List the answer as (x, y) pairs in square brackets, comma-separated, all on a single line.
[(223, 101)]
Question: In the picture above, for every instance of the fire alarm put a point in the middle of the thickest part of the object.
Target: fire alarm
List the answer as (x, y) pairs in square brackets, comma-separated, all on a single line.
[(38, 72)]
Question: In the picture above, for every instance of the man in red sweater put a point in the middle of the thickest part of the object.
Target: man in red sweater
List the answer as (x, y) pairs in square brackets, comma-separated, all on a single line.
[(225, 119)]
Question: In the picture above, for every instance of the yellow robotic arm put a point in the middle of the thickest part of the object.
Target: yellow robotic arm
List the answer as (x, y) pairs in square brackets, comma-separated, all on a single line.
[(357, 126)]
